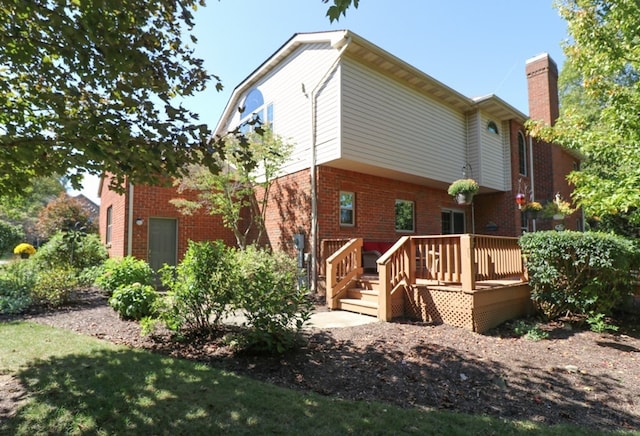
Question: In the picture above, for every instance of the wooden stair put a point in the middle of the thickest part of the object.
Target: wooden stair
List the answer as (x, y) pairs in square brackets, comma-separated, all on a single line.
[(362, 297)]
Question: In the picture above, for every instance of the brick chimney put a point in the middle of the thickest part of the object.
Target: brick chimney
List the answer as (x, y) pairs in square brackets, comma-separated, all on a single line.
[(542, 83)]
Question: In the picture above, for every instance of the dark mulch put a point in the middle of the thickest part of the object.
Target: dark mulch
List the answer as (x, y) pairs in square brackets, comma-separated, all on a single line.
[(575, 376)]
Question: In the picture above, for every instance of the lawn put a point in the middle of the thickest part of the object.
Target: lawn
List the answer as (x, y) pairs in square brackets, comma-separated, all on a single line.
[(80, 385)]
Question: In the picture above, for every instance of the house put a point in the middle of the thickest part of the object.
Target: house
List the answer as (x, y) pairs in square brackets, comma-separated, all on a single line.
[(377, 143)]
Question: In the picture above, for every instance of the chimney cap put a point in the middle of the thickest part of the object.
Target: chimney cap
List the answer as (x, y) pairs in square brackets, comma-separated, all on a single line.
[(541, 56)]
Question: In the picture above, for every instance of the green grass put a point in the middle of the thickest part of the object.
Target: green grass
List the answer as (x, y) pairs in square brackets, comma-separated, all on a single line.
[(80, 385)]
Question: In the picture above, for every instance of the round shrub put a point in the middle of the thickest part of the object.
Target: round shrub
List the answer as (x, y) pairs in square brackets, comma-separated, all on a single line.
[(124, 271), (54, 286), (134, 301), (86, 252), (579, 273)]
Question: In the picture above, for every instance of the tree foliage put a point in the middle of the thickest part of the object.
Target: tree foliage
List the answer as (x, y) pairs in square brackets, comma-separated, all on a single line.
[(600, 104), (64, 213), (240, 192), (92, 86), (23, 210), (339, 7)]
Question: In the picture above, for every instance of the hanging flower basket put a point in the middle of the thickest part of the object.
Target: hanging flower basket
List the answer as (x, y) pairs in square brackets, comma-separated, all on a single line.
[(464, 198), (463, 190), (532, 209)]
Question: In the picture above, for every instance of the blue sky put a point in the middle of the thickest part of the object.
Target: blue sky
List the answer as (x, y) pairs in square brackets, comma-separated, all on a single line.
[(476, 47)]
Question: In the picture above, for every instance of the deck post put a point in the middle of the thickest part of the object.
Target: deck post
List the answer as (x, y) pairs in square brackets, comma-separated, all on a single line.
[(384, 295), (468, 263)]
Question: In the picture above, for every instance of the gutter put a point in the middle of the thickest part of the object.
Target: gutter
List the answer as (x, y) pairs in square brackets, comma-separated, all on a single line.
[(342, 45)]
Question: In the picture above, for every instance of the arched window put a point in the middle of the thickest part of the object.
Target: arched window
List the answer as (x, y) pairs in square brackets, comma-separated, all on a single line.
[(254, 107), (253, 101), (492, 127), (522, 154)]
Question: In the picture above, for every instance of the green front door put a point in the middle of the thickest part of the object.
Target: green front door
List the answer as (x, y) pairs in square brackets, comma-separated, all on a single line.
[(163, 242)]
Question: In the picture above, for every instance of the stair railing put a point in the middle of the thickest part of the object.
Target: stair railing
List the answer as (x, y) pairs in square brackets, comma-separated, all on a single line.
[(343, 267), (396, 268)]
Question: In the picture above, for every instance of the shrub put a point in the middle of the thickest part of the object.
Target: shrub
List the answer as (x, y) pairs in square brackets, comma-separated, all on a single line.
[(86, 252), (124, 271), (200, 288), (134, 301), (54, 286), (275, 307), (579, 273), (16, 281), (10, 235)]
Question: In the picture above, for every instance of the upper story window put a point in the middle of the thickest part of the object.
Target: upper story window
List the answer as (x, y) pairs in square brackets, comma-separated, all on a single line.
[(522, 154), (347, 208), (254, 107), (405, 216), (492, 127)]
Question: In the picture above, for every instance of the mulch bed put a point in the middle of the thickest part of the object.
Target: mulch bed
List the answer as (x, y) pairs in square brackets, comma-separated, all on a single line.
[(575, 376)]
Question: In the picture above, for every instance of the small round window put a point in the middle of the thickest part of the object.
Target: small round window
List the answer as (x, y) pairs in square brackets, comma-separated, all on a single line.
[(492, 127)]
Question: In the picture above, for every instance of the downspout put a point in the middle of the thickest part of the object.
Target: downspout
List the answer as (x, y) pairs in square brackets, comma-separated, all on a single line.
[(130, 222), (533, 185), (314, 189)]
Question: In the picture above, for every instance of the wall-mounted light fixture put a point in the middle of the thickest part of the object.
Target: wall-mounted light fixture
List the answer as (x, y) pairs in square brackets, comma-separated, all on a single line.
[(139, 221)]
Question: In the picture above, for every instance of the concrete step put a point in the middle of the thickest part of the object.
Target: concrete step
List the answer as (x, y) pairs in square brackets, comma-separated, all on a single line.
[(359, 306)]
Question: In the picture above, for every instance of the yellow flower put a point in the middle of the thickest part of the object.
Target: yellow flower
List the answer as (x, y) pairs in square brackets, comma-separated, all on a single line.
[(24, 248)]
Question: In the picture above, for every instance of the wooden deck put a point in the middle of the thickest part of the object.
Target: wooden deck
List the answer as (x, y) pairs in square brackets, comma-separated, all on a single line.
[(470, 281)]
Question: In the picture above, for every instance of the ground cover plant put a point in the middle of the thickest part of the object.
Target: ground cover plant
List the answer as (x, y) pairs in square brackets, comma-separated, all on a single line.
[(92, 386)]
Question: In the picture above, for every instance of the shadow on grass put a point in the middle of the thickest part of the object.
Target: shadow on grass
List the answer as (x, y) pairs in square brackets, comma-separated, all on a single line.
[(123, 391)]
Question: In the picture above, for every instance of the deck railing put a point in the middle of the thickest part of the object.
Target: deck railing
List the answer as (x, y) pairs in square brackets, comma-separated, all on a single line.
[(443, 259), (343, 266), (327, 248)]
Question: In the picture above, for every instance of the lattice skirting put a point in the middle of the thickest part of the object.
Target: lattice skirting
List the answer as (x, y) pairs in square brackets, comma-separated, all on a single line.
[(478, 310)]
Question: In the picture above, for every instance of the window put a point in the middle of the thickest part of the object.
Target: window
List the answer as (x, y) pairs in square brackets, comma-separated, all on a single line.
[(107, 237), (452, 222), (255, 108), (492, 127), (347, 208), (405, 216), (522, 154)]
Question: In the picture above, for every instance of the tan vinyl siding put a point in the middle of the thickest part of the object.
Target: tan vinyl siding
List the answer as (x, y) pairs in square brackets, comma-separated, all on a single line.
[(492, 155), (473, 137), (394, 127), (288, 87)]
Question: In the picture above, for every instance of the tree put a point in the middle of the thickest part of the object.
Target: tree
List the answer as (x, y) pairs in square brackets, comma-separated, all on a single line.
[(23, 210), (92, 86), (600, 105), (240, 192), (64, 214)]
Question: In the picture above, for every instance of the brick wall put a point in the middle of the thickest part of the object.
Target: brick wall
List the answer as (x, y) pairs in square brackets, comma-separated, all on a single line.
[(153, 202), (119, 205), (552, 163)]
